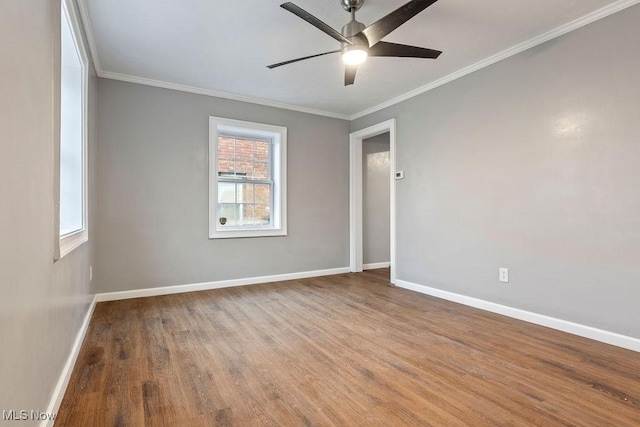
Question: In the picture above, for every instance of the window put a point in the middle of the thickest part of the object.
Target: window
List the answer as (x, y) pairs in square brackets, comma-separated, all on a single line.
[(73, 134), (247, 179)]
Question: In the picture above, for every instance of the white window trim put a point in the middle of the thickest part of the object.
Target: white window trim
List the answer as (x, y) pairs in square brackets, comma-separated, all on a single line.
[(279, 167), (74, 240)]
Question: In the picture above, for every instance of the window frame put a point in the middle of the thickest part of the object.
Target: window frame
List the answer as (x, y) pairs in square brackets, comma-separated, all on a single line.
[(235, 180), (73, 240), (219, 126)]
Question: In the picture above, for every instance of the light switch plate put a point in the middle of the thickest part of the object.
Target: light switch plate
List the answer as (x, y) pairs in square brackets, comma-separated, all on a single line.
[(400, 175)]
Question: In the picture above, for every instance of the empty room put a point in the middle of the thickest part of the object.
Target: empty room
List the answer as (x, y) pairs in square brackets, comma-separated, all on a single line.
[(320, 213)]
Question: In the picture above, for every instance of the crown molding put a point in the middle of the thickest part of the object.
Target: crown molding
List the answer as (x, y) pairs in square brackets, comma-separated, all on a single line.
[(93, 49), (88, 32), (514, 50), (217, 94)]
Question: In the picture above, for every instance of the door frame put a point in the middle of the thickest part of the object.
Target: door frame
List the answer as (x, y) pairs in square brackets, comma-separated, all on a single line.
[(355, 194)]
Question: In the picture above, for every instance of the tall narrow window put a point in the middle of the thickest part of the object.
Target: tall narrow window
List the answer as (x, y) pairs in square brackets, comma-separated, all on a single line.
[(73, 130), (247, 179)]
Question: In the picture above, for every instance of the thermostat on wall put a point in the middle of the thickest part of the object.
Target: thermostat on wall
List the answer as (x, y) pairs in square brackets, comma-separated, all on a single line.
[(400, 175)]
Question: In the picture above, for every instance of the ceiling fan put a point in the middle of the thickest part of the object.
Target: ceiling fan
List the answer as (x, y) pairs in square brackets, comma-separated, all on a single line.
[(358, 42)]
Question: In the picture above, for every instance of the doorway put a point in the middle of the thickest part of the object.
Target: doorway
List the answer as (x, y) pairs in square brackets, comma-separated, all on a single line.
[(356, 139), (375, 202)]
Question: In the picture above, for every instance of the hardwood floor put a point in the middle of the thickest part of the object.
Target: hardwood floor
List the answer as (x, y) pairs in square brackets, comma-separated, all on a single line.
[(339, 350)]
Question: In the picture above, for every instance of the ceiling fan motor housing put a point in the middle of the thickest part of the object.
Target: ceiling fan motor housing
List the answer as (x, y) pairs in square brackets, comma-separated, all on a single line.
[(349, 31), (352, 28)]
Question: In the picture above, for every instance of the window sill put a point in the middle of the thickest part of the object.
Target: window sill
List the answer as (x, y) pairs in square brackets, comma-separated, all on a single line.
[(238, 234), (72, 241)]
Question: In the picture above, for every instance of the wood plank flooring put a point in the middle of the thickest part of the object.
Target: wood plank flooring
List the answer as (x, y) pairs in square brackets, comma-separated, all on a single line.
[(338, 350)]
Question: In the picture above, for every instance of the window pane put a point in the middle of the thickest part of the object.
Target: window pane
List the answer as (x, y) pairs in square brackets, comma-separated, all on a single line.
[(245, 193), (244, 168), (263, 194), (226, 153), (243, 158), (262, 214), (71, 135), (261, 151), (226, 192), (226, 167), (227, 215), (261, 170), (244, 149), (246, 214), (225, 147)]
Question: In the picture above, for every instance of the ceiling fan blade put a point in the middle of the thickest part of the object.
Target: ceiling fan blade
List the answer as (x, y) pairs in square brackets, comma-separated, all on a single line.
[(402, 51), (350, 74), (279, 64), (379, 29), (298, 11)]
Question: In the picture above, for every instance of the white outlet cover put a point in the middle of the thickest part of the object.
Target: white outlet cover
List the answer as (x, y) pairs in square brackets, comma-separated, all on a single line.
[(503, 274)]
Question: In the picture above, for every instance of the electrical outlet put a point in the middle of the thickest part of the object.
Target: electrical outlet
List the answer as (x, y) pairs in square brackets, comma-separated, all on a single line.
[(503, 274), (90, 273)]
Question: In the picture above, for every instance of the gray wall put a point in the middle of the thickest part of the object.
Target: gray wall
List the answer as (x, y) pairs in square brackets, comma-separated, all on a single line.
[(42, 303), (530, 164), (153, 186), (375, 199)]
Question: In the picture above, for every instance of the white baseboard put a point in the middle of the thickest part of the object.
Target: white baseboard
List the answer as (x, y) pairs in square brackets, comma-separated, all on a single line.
[(375, 265), (176, 289), (65, 375), (601, 335)]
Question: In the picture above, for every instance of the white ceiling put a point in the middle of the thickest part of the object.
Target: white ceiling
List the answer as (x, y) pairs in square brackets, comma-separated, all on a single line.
[(225, 45)]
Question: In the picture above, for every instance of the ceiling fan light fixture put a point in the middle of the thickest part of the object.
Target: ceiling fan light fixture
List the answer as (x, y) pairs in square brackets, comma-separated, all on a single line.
[(354, 55), (357, 41)]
